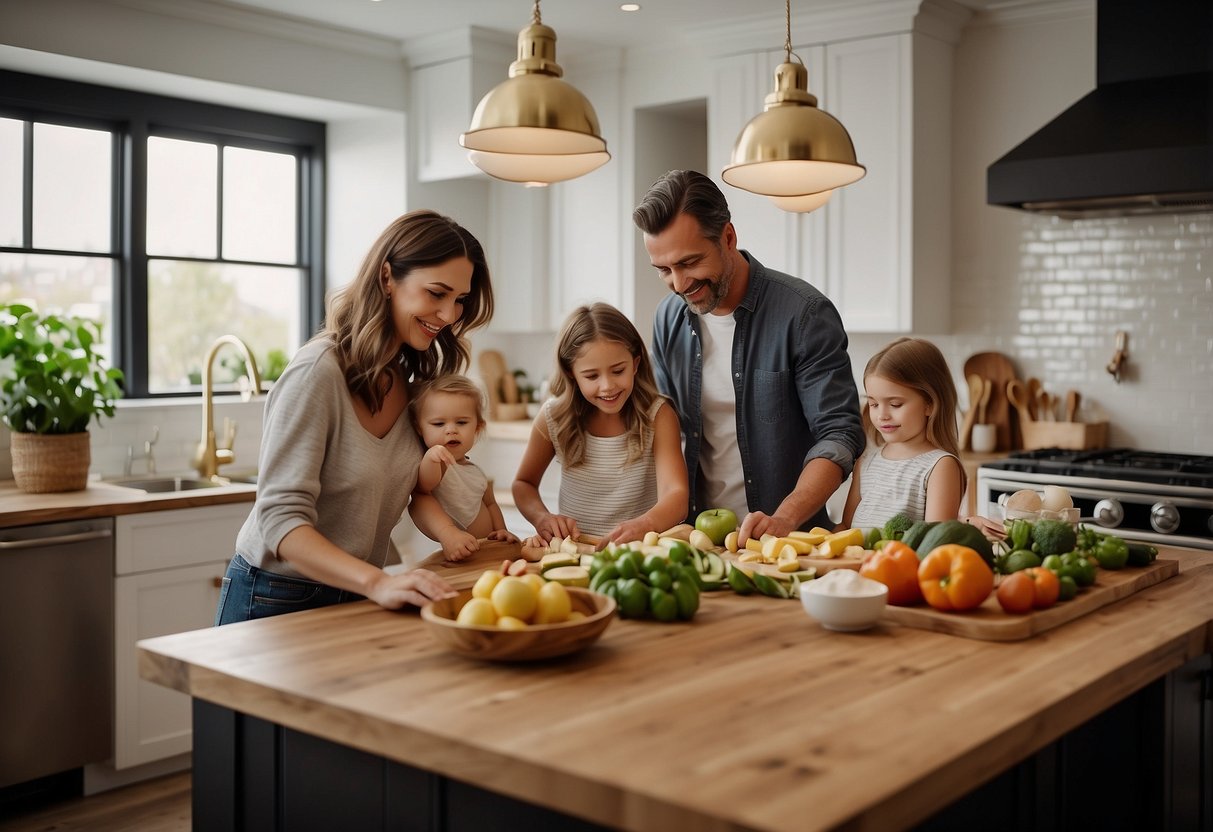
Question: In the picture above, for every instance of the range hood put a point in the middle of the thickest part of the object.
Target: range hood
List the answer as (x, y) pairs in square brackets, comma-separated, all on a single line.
[(1142, 141)]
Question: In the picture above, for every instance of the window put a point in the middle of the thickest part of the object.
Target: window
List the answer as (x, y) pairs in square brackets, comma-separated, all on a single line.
[(171, 222)]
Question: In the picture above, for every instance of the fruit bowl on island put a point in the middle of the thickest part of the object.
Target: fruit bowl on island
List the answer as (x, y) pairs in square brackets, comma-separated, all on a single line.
[(535, 641)]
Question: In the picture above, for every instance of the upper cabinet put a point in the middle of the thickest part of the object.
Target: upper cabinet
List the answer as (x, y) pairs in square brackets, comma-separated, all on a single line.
[(881, 247), (448, 75)]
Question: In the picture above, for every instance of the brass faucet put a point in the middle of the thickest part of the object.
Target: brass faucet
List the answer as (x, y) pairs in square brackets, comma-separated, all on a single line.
[(209, 454)]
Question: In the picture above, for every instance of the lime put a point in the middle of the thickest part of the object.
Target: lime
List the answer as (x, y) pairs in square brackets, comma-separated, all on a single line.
[(687, 597), (740, 581), (664, 605), (659, 579), (608, 573), (1020, 559), (1068, 588), (629, 565), (633, 597), (654, 563), (679, 553)]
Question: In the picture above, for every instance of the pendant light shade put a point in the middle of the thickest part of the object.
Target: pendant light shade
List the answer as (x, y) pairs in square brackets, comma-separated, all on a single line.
[(804, 203), (534, 127), (792, 148)]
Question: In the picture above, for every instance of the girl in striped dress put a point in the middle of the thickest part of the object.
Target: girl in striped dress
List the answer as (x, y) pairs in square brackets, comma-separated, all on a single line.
[(615, 436), (912, 464)]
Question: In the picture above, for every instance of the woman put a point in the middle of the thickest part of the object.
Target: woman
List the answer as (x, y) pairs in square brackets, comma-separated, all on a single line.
[(339, 457)]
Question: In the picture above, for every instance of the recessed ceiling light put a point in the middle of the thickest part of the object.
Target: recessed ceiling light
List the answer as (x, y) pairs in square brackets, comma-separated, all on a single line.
[(629, 7)]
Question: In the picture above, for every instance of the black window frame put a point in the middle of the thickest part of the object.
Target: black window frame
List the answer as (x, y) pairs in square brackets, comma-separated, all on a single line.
[(134, 116)]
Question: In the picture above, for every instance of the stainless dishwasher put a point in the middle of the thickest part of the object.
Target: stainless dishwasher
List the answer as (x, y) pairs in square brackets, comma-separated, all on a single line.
[(56, 647)]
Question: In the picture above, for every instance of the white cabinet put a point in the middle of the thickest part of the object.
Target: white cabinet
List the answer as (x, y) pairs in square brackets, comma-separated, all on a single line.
[(517, 251), (448, 75), (880, 249), (168, 565)]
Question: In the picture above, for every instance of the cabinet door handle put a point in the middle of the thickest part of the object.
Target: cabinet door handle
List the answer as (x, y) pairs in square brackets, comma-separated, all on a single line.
[(37, 542)]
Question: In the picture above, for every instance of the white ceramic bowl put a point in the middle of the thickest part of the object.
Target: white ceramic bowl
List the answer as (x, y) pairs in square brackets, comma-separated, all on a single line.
[(844, 613)]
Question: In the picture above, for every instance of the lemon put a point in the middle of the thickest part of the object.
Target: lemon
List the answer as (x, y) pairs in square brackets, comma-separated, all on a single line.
[(477, 612), (515, 597), (508, 622), (485, 583), (534, 580), (576, 615), (554, 604)]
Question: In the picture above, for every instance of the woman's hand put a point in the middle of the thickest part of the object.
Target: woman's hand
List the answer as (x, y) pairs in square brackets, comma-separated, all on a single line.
[(504, 535), (457, 544), (990, 528), (418, 587), (557, 525)]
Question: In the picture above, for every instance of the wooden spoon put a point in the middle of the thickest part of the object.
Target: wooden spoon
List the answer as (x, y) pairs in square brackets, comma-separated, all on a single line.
[(987, 387), (1073, 397), (1017, 395), (1034, 387), (1045, 407), (966, 427)]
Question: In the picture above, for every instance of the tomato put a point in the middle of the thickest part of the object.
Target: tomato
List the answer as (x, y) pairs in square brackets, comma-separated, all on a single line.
[(895, 566), (1046, 584), (1016, 592), (954, 577), (1033, 587)]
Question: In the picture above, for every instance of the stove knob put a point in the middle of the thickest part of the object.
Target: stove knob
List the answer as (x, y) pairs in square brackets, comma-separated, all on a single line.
[(1164, 517), (1109, 513)]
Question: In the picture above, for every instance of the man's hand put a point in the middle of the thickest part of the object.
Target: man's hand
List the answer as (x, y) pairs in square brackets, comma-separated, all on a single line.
[(504, 535), (757, 523)]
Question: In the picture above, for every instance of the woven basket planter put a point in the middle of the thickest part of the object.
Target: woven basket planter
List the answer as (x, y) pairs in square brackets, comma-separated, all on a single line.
[(49, 462)]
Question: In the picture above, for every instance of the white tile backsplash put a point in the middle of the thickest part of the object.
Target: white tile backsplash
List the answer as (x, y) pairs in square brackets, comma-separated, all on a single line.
[(1056, 307)]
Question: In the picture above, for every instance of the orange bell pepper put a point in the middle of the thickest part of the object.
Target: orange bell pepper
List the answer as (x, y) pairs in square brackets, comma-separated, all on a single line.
[(954, 577), (895, 566)]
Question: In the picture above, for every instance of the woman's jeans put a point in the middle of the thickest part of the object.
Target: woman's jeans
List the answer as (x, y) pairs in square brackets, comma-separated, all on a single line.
[(248, 592)]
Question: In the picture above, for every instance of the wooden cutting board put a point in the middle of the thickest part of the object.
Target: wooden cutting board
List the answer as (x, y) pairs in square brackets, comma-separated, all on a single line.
[(999, 370), (989, 623), (822, 565)]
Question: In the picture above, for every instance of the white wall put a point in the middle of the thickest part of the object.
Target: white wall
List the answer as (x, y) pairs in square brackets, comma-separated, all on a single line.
[(1051, 293)]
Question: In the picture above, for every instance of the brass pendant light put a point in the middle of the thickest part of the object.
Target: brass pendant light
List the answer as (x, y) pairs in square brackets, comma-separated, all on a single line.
[(533, 127), (793, 149)]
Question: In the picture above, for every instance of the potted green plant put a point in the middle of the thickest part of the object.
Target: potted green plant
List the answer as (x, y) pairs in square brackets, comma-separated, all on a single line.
[(52, 384)]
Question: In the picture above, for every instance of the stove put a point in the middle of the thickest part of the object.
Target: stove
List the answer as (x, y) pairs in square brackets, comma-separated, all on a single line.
[(1144, 495)]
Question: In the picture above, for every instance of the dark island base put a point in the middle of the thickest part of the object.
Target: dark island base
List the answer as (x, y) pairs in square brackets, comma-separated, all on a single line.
[(1144, 764)]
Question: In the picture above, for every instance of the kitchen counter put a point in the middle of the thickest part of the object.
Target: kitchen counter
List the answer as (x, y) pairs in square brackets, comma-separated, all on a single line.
[(105, 499), (750, 717)]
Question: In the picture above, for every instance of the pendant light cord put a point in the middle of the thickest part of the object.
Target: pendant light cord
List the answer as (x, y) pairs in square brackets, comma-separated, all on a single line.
[(535, 19), (787, 16)]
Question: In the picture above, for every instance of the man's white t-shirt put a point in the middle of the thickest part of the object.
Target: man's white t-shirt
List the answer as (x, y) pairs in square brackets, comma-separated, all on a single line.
[(719, 457)]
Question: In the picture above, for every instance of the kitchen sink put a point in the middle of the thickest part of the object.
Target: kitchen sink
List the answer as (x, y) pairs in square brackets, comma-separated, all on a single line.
[(163, 485)]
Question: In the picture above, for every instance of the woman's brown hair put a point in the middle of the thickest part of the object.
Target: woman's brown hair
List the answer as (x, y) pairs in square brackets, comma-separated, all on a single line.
[(569, 409), (359, 320)]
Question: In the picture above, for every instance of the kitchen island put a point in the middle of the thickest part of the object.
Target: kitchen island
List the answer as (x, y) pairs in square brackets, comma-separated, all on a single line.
[(750, 717)]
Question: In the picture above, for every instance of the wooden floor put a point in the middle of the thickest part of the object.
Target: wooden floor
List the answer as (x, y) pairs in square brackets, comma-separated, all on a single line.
[(160, 805)]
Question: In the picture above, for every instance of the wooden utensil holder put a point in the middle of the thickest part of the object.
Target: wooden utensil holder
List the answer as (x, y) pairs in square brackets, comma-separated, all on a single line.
[(1073, 436)]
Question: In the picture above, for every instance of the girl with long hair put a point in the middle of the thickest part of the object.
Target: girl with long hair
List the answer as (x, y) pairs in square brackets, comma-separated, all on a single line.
[(912, 465), (615, 436)]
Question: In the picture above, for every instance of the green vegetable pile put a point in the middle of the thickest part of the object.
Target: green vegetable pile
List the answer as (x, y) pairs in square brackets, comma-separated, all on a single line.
[(664, 587), (1073, 554)]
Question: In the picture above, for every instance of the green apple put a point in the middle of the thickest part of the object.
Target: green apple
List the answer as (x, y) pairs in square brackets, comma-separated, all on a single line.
[(716, 523)]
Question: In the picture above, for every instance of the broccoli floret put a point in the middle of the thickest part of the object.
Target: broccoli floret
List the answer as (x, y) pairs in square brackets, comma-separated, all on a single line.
[(896, 526), (1053, 537)]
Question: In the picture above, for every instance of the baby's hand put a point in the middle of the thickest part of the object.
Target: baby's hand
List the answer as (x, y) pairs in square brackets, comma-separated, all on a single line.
[(630, 530), (504, 535), (536, 542), (457, 544), (439, 455)]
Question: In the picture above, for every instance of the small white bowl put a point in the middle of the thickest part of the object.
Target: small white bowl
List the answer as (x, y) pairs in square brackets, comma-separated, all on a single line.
[(844, 613)]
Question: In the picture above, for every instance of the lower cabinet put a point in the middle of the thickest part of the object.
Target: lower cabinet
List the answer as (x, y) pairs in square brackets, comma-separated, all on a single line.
[(168, 566)]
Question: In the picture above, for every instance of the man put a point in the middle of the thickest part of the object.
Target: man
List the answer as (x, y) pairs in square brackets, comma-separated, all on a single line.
[(755, 362)]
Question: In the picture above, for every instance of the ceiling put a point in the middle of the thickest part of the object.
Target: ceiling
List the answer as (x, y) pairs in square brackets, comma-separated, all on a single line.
[(597, 22)]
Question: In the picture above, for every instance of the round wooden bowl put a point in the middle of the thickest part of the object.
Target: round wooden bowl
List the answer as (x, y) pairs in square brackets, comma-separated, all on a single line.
[(538, 641)]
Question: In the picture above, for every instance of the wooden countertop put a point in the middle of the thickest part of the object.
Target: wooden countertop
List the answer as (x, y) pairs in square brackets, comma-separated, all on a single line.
[(105, 499), (752, 716)]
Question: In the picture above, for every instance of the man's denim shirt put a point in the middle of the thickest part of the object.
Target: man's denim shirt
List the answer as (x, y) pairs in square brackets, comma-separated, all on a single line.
[(796, 397)]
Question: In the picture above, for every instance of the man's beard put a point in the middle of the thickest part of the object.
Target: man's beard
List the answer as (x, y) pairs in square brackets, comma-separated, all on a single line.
[(717, 290)]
